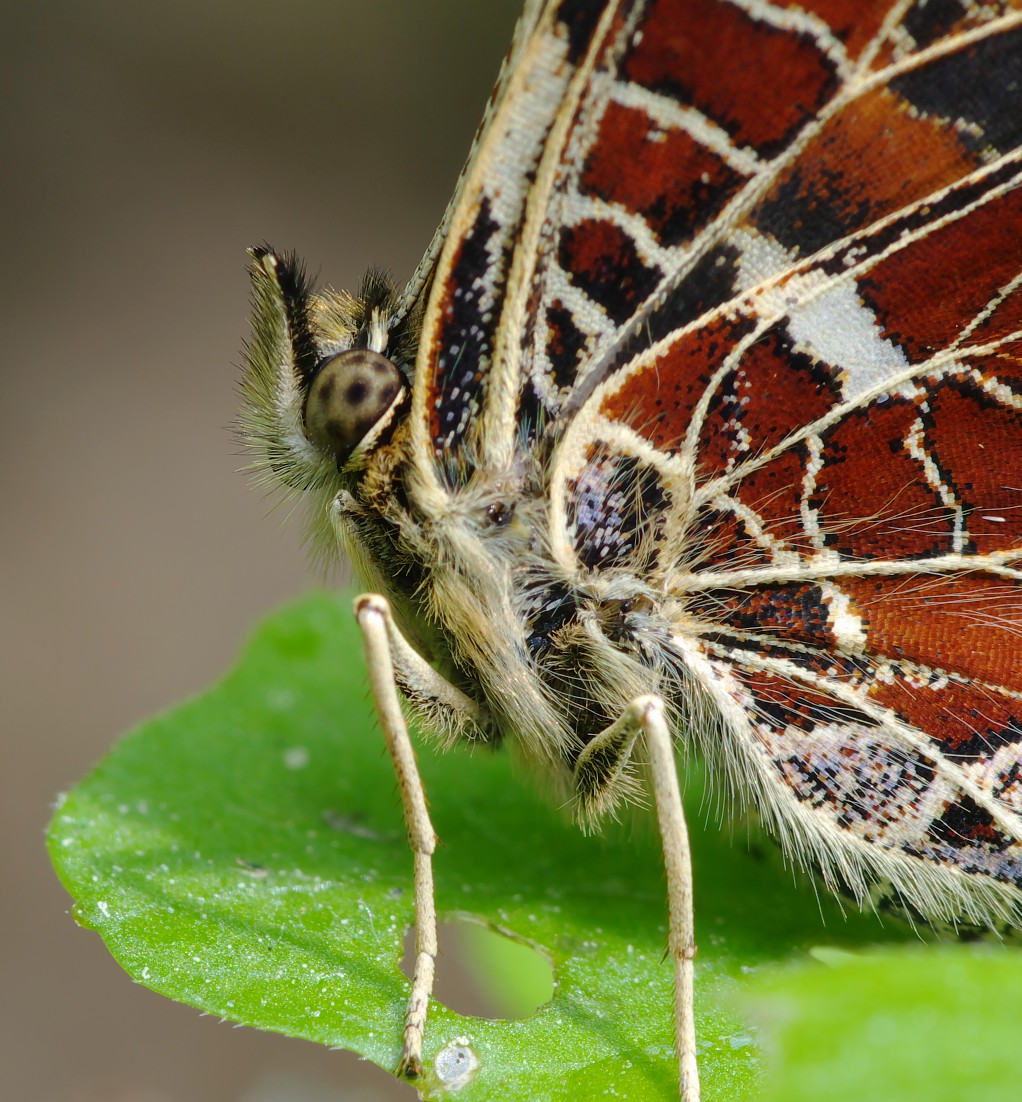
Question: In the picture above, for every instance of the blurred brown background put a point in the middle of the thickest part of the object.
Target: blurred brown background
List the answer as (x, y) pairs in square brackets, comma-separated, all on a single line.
[(143, 147)]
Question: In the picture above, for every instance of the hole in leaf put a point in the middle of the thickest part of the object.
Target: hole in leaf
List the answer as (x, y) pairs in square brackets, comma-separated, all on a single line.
[(484, 974)]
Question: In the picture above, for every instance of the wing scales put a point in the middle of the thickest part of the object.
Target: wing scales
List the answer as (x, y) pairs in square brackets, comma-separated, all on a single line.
[(841, 400), (455, 373), (771, 314)]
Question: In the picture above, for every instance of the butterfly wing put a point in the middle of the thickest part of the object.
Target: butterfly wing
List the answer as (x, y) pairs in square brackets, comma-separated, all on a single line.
[(757, 270)]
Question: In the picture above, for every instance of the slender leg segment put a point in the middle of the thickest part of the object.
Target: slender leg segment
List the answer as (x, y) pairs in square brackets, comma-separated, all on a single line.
[(373, 615), (597, 772), (678, 863)]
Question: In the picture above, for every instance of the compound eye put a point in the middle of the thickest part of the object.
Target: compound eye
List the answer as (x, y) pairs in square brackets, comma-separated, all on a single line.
[(348, 396)]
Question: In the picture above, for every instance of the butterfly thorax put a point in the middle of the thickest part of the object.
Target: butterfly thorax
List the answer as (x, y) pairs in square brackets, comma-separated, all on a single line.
[(550, 659)]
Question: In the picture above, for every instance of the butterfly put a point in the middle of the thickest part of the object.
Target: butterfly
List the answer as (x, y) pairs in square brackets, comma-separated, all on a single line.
[(700, 423)]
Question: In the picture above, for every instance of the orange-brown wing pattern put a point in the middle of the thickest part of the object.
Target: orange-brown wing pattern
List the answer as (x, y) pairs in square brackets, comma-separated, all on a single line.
[(738, 287)]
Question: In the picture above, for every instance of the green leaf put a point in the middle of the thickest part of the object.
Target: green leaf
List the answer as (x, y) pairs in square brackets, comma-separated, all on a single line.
[(940, 1024), (245, 854)]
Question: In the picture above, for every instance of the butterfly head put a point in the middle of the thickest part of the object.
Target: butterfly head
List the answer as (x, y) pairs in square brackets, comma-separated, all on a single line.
[(327, 379)]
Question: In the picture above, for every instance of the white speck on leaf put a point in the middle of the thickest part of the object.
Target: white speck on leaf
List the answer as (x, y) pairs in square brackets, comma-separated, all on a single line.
[(456, 1063), (296, 757)]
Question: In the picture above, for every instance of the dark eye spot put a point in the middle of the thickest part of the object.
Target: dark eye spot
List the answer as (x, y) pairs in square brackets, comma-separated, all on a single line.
[(356, 394)]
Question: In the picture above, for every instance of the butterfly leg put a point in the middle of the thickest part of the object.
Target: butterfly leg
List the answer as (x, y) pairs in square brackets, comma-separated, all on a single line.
[(599, 766), (382, 639), (393, 663)]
